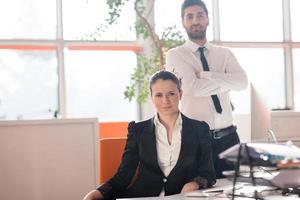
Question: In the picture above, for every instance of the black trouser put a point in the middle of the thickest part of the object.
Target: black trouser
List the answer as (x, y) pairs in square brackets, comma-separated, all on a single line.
[(220, 144)]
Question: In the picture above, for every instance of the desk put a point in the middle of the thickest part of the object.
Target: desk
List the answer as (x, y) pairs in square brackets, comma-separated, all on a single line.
[(216, 196)]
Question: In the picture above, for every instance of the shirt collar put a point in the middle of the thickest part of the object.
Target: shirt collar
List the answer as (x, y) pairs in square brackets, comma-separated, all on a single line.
[(178, 122), (194, 46)]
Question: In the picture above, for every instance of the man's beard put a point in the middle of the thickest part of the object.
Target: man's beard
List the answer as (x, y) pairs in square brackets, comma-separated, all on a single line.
[(197, 35)]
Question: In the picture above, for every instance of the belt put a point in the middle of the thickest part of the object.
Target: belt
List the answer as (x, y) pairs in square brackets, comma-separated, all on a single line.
[(219, 133)]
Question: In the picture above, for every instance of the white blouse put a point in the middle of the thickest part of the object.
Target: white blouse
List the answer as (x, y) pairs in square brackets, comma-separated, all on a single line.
[(167, 154)]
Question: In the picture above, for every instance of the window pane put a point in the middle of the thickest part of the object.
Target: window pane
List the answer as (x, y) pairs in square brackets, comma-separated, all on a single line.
[(295, 16), (247, 20), (83, 18), (264, 68), (96, 81), (296, 56), (30, 19), (28, 84), (164, 18)]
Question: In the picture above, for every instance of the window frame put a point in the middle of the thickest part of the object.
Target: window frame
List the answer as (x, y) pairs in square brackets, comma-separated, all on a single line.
[(59, 44), (287, 45)]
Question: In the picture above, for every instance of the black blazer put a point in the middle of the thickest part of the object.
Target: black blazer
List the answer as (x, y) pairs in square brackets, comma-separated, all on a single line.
[(194, 162)]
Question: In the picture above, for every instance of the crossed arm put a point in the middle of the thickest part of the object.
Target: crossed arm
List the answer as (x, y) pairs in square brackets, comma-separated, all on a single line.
[(196, 82)]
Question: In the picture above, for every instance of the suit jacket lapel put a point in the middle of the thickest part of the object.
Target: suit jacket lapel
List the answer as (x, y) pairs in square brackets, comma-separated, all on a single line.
[(149, 145), (186, 142)]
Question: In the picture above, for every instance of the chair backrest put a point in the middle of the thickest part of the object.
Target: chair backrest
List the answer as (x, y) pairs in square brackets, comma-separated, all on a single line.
[(110, 152), (112, 129)]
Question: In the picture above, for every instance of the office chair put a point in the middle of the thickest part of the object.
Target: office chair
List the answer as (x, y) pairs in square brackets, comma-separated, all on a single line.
[(112, 129), (110, 153), (112, 140)]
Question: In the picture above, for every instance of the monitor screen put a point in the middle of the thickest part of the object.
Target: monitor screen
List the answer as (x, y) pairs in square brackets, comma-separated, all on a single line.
[(260, 116)]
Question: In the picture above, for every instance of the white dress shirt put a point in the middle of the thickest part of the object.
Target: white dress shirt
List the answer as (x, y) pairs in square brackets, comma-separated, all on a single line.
[(167, 154), (198, 85)]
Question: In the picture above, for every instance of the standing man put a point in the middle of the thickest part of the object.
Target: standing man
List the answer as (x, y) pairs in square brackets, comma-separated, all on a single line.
[(208, 74)]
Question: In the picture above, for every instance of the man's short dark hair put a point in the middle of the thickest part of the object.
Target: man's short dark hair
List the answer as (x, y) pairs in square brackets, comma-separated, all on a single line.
[(164, 75), (188, 3)]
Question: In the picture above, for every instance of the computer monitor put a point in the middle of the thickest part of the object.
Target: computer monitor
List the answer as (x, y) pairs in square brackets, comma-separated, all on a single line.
[(260, 117)]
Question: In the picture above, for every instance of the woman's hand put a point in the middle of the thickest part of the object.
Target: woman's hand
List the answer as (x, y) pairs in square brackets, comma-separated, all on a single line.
[(93, 195), (189, 187)]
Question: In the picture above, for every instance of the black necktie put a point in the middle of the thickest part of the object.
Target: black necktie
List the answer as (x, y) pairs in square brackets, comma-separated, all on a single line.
[(205, 67)]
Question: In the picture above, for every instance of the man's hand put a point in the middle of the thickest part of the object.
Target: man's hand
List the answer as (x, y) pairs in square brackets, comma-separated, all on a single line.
[(189, 187)]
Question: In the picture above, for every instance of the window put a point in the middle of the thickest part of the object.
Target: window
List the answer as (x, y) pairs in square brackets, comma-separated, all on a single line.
[(53, 54), (28, 84), (295, 15), (30, 19), (296, 56), (96, 82), (82, 20), (264, 69), (247, 20), (48, 68)]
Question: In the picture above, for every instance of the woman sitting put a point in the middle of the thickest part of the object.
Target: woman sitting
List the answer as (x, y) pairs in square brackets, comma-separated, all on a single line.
[(171, 152)]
